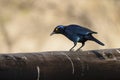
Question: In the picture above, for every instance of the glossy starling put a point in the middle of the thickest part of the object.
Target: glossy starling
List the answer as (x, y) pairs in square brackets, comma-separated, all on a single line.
[(76, 34)]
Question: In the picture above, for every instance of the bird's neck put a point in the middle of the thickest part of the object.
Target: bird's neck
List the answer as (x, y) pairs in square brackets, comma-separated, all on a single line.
[(62, 31)]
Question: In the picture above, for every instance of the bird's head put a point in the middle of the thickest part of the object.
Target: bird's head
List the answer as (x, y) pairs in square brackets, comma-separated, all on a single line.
[(58, 30)]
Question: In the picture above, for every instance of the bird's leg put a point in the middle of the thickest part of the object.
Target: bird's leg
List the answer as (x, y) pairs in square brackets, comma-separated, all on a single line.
[(75, 43), (79, 49)]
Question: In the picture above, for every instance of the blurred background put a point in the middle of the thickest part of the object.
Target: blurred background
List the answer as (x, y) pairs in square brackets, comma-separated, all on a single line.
[(25, 25)]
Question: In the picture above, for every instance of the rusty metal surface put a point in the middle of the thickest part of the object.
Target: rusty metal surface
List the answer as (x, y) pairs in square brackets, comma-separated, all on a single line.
[(61, 65)]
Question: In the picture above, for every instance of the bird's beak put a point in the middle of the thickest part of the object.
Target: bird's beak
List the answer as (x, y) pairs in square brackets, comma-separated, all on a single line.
[(52, 33)]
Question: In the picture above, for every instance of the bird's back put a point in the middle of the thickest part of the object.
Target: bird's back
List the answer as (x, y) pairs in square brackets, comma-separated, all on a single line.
[(79, 30)]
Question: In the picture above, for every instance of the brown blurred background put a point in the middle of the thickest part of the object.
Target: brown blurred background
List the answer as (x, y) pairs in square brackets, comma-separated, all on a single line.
[(25, 25)]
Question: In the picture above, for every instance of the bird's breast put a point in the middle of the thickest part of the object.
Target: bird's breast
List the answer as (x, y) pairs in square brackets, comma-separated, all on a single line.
[(73, 37)]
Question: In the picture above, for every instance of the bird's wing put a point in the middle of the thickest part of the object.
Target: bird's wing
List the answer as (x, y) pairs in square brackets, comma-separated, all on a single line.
[(78, 30)]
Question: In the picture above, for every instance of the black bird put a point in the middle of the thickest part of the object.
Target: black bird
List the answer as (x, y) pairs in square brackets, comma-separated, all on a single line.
[(76, 34)]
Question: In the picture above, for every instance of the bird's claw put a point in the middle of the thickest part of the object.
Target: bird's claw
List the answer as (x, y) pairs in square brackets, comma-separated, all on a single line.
[(79, 50), (71, 50)]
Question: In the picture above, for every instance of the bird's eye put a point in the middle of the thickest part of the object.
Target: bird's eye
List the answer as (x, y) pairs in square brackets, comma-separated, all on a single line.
[(56, 29)]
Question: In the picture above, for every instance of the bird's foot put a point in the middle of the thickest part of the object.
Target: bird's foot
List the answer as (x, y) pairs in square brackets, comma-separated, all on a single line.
[(79, 50), (71, 50)]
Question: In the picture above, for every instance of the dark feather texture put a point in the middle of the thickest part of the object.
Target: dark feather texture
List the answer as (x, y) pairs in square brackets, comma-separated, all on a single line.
[(76, 34)]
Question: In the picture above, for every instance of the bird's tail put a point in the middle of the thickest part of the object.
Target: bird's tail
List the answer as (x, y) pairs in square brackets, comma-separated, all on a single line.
[(96, 40)]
